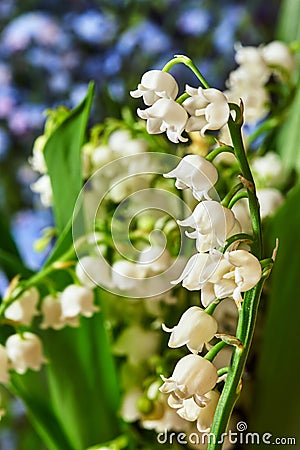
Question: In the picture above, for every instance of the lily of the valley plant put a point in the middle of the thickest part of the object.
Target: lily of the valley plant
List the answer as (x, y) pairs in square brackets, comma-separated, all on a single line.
[(94, 319)]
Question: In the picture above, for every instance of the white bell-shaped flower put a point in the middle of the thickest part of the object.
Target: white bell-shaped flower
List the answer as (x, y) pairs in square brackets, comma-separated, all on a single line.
[(268, 170), (238, 271), (277, 53), (208, 108), (154, 259), (194, 329), (192, 376), (52, 314), (4, 376), (125, 274), (37, 160), (189, 410), (196, 173), (122, 144), (77, 300), (24, 308), (93, 271), (25, 352), (156, 84), (165, 115), (198, 270), (212, 222), (252, 64)]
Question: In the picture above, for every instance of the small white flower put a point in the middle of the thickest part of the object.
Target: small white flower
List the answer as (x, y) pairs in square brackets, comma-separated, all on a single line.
[(77, 300), (213, 224), (238, 271), (101, 156), (269, 200), (196, 173), (193, 376), (125, 274), (43, 187), (252, 65), (52, 314), (25, 352), (198, 270), (37, 160), (268, 170), (148, 344), (154, 259), (122, 144), (154, 85), (255, 100), (165, 115), (278, 54), (93, 271), (208, 108), (189, 410), (194, 329), (24, 308), (4, 376)]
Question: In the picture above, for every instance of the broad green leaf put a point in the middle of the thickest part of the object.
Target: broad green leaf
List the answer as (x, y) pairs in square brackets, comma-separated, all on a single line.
[(277, 404), (288, 143), (10, 260), (83, 387), (63, 158), (33, 390)]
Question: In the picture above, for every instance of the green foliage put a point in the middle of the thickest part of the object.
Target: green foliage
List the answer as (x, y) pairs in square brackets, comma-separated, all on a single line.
[(63, 158)]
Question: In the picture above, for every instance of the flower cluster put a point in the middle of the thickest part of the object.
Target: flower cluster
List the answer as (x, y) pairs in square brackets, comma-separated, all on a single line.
[(204, 109)]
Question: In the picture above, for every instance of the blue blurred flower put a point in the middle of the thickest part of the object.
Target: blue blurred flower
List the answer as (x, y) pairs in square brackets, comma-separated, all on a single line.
[(32, 26), (148, 36), (27, 227), (3, 286), (224, 34), (194, 21), (26, 117), (116, 89), (4, 143), (112, 63), (95, 27)]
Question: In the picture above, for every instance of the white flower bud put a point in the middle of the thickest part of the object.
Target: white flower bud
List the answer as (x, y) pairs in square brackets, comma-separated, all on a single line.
[(4, 376), (25, 352), (208, 108), (154, 85), (43, 187), (77, 300), (122, 144), (278, 54), (213, 224), (37, 160), (194, 329), (165, 115), (125, 274), (192, 376), (24, 309), (154, 260), (196, 173), (52, 314)]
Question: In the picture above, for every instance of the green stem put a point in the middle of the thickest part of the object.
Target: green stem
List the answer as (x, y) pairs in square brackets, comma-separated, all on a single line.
[(212, 306), (223, 371), (183, 97), (237, 237), (182, 59), (234, 190), (231, 389), (236, 136), (236, 198), (218, 150), (215, 350)]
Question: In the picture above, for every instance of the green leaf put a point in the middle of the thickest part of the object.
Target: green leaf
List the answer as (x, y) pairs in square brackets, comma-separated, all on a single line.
[(83, 386), (10, 260), (63, 158), (277, 406), (33, 390), (289, 134)]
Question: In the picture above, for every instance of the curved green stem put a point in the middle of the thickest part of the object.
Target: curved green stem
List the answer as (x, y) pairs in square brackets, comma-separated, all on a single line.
[(182, 59), (215, 350), (237, 237), (218, 150), (212, 306), (247, 178), (234, 190), (236, 198)]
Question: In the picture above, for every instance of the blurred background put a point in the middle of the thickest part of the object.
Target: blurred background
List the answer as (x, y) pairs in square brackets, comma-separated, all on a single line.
[(50, 50)]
